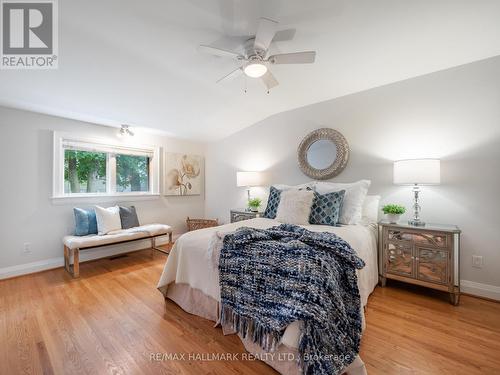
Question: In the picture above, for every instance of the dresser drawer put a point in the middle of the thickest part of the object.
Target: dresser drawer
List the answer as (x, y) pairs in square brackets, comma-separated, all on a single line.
[(240, 216), (434, 239)]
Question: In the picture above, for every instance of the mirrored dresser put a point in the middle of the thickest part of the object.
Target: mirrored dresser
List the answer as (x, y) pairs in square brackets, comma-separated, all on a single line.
[(428, 256)]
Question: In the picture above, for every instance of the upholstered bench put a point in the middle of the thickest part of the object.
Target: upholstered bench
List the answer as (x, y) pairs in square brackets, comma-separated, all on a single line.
[(73, 244)]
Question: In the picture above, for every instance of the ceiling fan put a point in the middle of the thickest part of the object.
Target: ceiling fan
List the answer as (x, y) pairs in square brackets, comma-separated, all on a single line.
[(255, 59)]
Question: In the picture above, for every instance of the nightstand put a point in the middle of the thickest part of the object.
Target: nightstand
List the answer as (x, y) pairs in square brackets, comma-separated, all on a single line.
[(239, 214), (428, 256)]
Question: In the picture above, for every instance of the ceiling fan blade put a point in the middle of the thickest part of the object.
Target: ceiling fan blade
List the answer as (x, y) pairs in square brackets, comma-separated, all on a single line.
[(293, 58), (265, 33), (235, 73), (219, 52), (269, 80), (284, 35)]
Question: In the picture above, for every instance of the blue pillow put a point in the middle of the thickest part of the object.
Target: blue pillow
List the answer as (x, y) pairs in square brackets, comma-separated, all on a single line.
[(272, 203), (85, 221), (325, 209)]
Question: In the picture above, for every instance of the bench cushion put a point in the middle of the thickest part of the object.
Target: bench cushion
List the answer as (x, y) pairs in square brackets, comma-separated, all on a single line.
[(82, 242)]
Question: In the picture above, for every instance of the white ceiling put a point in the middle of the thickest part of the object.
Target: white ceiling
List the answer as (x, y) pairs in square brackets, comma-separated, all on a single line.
[(136, 62)]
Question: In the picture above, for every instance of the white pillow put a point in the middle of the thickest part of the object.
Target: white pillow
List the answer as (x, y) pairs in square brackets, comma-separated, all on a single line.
[(371, 208), (295, 206), (288, 187), (355, 194), (108, 219)]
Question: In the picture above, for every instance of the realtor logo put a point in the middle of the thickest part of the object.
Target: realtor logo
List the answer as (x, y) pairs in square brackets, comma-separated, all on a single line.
[(29, 34)]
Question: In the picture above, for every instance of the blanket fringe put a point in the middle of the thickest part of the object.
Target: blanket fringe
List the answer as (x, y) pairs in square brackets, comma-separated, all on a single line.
[(247, 327)]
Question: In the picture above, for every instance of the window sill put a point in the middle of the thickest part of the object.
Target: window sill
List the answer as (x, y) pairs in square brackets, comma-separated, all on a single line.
[(94, 198)]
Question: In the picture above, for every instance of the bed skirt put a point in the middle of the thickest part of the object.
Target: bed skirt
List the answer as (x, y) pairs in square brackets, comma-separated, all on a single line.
[(197, 303)]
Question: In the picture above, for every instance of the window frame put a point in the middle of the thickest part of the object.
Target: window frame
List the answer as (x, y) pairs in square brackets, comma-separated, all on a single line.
[(111, 148)]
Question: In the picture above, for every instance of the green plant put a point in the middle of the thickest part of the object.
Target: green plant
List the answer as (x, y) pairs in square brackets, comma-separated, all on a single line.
[(393, 209), (254, 202)]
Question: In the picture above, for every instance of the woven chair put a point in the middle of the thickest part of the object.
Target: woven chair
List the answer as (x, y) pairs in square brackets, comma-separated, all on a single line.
[(194, 224)]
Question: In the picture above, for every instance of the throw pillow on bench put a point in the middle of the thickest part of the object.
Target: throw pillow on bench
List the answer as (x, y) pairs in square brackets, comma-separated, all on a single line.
[(100, 220)]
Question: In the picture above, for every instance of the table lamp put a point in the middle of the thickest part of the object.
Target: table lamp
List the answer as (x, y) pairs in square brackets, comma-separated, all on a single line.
[(248, 179), (417, 172)]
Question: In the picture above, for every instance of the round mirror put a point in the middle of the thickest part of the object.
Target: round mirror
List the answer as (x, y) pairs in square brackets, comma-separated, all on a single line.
[(323, 154)]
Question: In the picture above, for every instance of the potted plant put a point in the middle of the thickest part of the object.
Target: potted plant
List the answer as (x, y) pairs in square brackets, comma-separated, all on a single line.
[(254, 204), (393, 212)]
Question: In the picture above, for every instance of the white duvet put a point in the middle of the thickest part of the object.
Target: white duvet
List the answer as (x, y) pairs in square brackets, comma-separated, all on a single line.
[(188, 262)]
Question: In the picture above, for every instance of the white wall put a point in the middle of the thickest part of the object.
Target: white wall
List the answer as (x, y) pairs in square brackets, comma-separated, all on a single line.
[(27, 213), (453, 115)]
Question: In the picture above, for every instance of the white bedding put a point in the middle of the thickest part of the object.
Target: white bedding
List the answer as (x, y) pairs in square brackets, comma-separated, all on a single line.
[(188, 260)]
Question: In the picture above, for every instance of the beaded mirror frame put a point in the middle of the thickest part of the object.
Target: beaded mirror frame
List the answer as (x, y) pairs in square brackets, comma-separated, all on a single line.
[(338, 164)]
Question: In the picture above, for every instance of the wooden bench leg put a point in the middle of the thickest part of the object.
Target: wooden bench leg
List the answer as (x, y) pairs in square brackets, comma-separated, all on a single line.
[(153, 246), (76, 263), (170, 238), (66, 258)]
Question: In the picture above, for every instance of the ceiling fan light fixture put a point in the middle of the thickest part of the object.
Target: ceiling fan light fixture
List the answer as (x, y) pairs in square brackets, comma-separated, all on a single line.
[(255, 69)]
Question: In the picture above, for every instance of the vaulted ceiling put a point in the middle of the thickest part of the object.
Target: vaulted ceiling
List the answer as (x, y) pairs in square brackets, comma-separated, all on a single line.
[(136, 62)]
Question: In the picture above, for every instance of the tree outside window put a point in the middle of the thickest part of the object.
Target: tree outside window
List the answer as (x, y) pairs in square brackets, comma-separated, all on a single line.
[(84, 172), (132, 173)]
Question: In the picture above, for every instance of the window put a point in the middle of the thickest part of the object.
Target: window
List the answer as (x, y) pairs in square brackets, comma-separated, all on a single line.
[(84, 167)]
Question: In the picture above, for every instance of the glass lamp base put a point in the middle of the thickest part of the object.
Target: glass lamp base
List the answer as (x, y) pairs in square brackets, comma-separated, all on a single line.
[(416, 223)]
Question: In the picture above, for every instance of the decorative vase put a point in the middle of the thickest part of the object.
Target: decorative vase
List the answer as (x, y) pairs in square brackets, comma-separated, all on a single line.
[(254, 209), (393, 218)]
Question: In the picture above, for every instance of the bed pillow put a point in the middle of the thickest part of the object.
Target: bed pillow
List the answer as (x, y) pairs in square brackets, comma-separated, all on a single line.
[(85, 221), (295, 206), (274, 196), (326, 208), (300, 186), (371, 208), (355, 194), (272, 203), (128, 217), (108, 219)]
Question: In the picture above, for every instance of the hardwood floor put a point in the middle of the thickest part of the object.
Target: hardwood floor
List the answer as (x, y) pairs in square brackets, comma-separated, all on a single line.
[(111, 320)]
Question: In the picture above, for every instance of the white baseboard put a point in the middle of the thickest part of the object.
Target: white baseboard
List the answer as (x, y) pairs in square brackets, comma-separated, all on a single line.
[(47, 264), (480, 290), (27, 268)]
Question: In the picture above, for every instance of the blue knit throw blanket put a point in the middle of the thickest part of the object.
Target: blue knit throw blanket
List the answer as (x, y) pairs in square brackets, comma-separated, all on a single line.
[(270, 278)]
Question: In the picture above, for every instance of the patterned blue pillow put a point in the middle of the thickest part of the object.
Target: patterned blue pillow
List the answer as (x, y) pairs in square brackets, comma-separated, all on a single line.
[(85, 222), (272, 203), (325, 209)]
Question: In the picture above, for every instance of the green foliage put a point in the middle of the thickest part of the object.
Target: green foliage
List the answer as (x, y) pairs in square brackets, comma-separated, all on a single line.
[(84, 167), (254, 202), (393, 209), (132, 171), (85, 162)]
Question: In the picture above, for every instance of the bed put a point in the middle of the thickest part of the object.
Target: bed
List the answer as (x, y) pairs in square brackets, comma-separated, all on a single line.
[(193, 284)]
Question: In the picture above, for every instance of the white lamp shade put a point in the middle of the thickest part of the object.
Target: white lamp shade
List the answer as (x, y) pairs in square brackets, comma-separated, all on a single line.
[(248, 179), (418, 171)]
